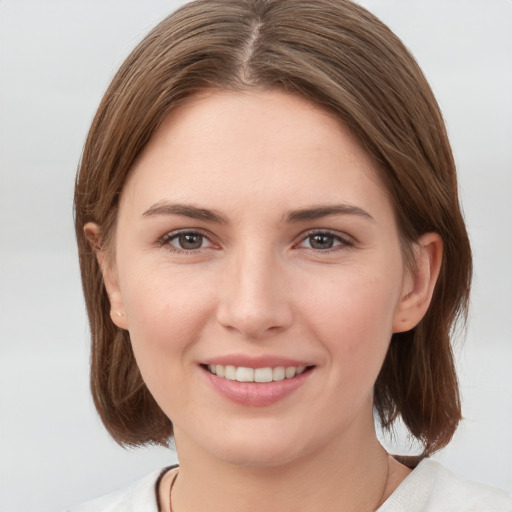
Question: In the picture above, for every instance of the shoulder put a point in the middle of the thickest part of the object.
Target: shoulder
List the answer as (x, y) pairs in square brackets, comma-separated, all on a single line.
[(433, 488), (140, 496)]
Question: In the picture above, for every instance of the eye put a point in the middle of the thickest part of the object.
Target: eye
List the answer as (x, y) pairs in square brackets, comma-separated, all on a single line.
[(186, 241), (323, 241)]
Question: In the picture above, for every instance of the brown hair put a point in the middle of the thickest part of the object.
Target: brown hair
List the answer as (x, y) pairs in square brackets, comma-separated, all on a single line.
[(339, 56)]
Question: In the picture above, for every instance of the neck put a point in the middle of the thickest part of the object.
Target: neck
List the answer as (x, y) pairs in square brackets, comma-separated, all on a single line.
[(352, 476)]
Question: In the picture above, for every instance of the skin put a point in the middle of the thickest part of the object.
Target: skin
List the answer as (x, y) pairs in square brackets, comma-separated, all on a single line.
[(258, 283)]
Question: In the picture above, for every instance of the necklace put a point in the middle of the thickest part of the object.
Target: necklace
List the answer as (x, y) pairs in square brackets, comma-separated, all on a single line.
[(379, 503), (170, 490)]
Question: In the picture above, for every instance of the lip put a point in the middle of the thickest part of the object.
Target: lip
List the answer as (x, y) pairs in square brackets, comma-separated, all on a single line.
[(255, 394), (262, 361)]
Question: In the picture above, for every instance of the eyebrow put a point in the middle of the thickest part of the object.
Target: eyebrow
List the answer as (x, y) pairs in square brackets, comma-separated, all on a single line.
[(318, 212), (300, 215), (185, 210)]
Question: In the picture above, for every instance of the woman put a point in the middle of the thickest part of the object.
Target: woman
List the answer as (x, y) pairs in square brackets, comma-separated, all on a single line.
[(277, 252)]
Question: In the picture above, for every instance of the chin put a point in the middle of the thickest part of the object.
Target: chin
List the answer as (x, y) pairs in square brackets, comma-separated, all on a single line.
[(258, 451), (257, 458)]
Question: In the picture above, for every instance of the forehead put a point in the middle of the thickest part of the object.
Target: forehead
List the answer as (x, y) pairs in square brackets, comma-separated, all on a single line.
[(257, 144)]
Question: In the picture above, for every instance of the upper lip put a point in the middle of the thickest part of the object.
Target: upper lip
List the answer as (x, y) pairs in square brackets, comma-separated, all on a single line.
[(262, 361)]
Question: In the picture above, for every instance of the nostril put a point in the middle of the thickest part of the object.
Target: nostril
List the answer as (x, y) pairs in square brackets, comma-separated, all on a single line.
[(259, 323)]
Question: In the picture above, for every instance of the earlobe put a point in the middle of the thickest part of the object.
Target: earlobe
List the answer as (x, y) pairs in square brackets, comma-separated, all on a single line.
[(419, 284), (117, 312)]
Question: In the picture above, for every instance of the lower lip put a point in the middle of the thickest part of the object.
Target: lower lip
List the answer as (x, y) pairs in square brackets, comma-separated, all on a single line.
[(256, 394)]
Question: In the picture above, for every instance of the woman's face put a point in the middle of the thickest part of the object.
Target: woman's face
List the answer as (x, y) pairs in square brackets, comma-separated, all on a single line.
[(255, 241)]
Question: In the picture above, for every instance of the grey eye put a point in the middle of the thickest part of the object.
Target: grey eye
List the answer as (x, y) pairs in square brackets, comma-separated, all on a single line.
[(189, 241), (321, 241), (185, 241)]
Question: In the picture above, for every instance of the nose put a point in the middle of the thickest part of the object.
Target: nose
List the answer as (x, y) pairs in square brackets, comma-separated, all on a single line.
[(253, 298)]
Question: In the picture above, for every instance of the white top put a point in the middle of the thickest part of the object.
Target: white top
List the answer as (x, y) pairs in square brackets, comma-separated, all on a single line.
[(428, 488)]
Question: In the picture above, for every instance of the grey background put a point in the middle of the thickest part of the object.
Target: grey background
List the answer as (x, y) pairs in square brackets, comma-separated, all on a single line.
[(56, 59)]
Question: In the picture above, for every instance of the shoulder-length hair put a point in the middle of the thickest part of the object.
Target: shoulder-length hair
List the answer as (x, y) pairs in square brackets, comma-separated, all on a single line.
[(338, 55)]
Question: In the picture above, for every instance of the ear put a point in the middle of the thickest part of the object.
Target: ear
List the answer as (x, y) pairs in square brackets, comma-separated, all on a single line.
[(419, 283), (117, 311)]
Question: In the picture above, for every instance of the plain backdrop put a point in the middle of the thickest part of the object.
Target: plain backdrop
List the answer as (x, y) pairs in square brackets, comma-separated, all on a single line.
[(56, 59)]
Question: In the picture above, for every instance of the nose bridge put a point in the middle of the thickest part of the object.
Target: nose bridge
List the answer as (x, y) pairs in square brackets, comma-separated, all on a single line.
[(254, 299)]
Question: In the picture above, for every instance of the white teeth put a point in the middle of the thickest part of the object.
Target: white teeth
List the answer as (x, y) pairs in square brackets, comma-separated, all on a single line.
[(244, 374), (278, 373), (230, 372), (290, 372), (262, 375)]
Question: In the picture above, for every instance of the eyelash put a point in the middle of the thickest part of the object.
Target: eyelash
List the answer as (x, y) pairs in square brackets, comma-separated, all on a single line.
[(168, 238), (344, 241)]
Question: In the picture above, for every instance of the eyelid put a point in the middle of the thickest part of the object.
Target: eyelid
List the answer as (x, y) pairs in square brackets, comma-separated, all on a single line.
[(346, 241), (167, 238)]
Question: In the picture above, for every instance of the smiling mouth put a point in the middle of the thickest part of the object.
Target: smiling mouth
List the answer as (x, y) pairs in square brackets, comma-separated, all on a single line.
[(259, 375)]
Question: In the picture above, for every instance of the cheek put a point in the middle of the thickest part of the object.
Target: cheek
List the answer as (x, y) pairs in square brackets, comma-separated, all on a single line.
[(353, 317), (165, 319), (166, 313), (164, 299)]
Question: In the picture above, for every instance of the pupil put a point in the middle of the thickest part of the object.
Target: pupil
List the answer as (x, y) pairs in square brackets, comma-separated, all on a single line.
[(190, 241), (321, 241)]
